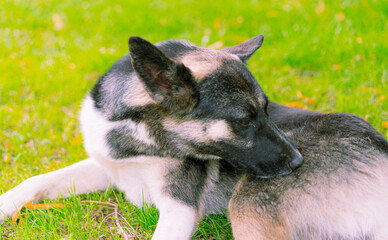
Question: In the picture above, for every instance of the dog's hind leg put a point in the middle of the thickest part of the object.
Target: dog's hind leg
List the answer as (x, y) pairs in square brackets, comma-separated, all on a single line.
[(251, 221), (82, 177), (248, 226)]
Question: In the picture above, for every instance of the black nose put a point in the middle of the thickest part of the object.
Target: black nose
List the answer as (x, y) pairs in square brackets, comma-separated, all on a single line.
[(296, 162)]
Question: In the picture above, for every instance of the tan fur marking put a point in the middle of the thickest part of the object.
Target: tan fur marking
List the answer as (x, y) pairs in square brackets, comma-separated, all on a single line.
[(205, 61), (138, 95), (250, 224), (197, 130), (339, 207)]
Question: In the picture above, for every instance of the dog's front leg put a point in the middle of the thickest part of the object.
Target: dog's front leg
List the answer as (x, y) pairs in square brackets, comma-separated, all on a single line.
[(177, 221), (82, 177)]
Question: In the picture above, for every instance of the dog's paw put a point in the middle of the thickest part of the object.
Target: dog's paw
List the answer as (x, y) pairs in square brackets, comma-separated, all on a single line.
[(5, 210), (7, 207), (12, 199)]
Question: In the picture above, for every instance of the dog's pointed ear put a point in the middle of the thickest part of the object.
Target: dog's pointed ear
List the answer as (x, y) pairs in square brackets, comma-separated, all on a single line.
[(246, 49), (169, 83)]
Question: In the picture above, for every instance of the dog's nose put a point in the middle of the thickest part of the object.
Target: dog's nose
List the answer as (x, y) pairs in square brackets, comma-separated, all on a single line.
[(296, 162)]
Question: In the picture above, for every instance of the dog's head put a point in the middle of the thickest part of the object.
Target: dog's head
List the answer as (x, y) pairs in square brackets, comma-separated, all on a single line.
[(212, 105)]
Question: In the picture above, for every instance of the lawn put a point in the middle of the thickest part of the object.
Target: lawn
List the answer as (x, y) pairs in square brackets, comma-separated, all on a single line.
[(321, 55)]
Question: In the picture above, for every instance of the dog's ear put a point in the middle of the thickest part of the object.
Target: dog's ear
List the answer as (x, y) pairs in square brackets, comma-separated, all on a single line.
[(246, 49), (169, 83)]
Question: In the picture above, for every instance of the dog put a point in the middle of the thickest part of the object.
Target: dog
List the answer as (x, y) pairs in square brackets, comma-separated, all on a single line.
[(340, 191), (175, 125)]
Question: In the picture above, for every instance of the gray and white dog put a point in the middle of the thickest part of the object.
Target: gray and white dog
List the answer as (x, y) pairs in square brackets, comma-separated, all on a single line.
[(158, 125), (176, 124)]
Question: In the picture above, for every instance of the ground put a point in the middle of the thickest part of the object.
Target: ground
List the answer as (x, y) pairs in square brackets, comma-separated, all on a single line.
[(321, 55)]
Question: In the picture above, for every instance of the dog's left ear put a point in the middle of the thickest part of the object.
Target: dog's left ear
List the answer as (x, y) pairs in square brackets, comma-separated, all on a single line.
[(246, 49), (169, 83)]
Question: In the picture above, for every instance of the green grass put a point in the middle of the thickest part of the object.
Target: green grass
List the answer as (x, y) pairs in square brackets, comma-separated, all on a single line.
[(51, 53)]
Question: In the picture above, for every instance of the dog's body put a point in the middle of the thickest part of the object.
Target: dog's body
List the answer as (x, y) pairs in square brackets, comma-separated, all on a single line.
[(179, 144), (157, 125), (340, 192)]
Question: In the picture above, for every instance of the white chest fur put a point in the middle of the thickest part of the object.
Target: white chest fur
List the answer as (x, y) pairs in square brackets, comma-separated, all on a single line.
[(142, 179)]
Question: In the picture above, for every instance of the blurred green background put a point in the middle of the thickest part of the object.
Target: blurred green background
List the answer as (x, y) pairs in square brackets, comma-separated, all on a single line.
[(321, 55)]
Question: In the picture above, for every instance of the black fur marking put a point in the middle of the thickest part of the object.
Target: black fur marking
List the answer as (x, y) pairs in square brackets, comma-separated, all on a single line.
[(121, 143), (96, 93), (134, 114), (188, 184), (191, 175)]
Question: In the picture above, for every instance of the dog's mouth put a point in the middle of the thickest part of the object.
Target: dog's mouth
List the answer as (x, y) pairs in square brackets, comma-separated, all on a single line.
[(258, 173)]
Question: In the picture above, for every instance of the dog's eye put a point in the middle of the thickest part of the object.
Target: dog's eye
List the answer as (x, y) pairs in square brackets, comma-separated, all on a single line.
[(244, 122)]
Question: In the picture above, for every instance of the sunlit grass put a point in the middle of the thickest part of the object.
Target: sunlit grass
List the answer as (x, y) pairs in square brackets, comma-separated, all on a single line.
[(51, 52)]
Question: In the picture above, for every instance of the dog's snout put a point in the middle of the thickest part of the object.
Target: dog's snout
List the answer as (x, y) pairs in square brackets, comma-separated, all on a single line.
[(296, 162)]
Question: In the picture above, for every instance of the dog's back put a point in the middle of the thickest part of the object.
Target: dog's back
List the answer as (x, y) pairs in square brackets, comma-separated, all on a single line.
[(340, 192)]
